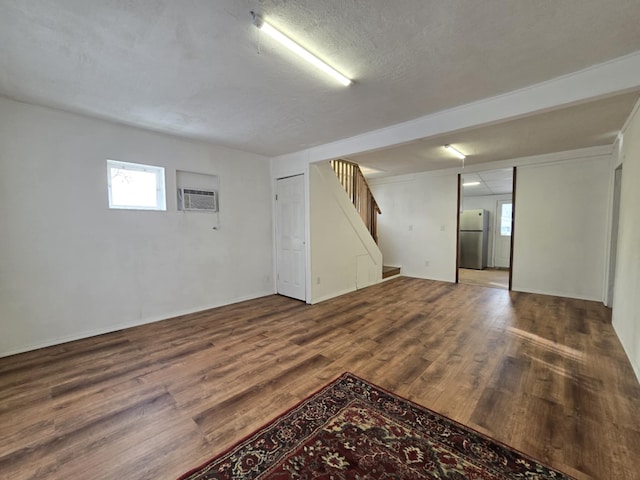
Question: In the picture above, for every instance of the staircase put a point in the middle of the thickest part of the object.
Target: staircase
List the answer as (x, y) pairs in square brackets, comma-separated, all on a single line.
[(388, 271), (357, 188)]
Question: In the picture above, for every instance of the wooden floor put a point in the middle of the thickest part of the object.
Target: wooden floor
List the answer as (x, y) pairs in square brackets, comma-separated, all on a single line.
[(489, 277), (545, 375)]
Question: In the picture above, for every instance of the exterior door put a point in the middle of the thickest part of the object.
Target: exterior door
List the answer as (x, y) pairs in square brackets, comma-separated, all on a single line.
[(502, 235), (291, 260)]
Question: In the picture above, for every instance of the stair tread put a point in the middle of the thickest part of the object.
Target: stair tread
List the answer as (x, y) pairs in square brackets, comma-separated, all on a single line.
[(389, 271)]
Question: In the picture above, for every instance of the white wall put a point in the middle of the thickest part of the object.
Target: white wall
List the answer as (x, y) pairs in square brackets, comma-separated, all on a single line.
[(70, 267), (561, 223), (560, 230), (626, 297), (417, 228), (344, 256), (489, 203)]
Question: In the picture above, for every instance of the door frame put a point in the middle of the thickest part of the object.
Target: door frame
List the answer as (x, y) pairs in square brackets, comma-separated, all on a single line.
[(513, 229), (458, 228), (513, 225), (610, 273), (307, 259)]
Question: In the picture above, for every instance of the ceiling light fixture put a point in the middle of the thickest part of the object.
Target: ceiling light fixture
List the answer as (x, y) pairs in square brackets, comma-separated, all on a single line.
[(470, 184), (457, 153), (265, 27), (369, 170)]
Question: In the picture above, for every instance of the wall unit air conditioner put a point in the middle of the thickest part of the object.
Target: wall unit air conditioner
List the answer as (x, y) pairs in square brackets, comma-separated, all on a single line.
[(193, 200)]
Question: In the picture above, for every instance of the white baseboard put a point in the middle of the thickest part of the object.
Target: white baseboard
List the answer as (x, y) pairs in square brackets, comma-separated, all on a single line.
[(348, 290), (124, 325), (391, 277), (333, 295), (554, 293), (425, 277), (636, 368)]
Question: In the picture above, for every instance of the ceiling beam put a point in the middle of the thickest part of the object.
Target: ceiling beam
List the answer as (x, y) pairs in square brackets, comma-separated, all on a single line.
[(598, 81)]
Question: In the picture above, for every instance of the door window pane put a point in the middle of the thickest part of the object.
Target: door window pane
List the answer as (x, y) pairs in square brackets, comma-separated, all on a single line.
[(505, 219)]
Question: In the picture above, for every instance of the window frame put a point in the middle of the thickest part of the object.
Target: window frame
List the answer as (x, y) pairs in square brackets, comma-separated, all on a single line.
[(161, 195)]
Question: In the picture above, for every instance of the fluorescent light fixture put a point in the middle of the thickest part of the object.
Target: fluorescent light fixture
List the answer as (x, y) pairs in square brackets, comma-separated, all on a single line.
[(457, 153), (297, 49), (470, 184), (369, 171)]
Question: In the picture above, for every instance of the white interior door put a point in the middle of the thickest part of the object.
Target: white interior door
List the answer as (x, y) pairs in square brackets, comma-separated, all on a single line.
[(290, 234), (502, 235)]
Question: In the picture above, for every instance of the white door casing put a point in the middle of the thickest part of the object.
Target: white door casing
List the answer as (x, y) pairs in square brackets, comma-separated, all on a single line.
[(290, 237), (613, 247)]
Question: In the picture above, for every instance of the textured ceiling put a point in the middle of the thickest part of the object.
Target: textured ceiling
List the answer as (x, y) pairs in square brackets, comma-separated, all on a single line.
[(590, 124), (200, 69)]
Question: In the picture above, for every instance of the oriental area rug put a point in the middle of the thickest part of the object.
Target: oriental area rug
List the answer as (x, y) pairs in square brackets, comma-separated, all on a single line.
[(351, 429)]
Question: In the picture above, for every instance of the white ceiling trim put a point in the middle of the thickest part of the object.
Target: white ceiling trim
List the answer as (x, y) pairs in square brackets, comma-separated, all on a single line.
[(609, 78)]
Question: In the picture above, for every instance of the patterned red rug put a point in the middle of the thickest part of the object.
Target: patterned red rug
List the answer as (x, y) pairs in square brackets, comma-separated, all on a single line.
[(354, 430)]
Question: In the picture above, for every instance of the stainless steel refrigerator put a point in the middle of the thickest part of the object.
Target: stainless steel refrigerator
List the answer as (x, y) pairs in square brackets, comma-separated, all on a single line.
[(474, 234)]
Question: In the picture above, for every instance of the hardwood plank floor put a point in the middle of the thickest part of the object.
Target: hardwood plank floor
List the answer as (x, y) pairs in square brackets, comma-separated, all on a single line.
[(543, 374), (489, 277)]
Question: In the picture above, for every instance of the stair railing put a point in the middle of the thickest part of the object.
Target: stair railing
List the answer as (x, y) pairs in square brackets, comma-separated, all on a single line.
[(359, 192)]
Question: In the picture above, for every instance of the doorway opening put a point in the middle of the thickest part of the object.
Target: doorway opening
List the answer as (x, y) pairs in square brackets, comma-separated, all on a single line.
[(486, 228)]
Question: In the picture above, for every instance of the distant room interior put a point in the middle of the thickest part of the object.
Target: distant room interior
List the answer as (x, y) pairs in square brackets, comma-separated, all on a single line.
[(485, 247)]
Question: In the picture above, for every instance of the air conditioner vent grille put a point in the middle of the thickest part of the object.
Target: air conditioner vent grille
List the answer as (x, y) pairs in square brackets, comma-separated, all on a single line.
[(198, 200)]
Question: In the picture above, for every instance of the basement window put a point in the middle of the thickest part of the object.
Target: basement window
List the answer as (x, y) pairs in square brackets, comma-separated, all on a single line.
[(135, 186)]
